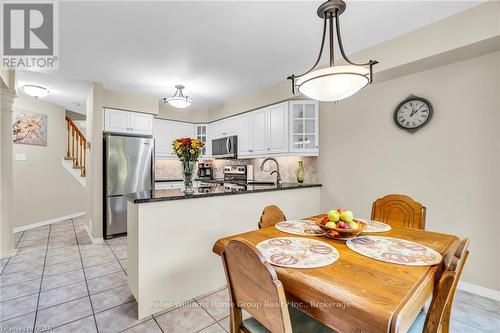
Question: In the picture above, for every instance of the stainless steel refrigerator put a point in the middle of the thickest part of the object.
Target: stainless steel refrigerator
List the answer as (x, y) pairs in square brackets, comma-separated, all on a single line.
[(128, 168)]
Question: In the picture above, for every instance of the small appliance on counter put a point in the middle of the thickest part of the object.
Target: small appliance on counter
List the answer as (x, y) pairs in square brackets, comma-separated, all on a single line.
[(204, 171)]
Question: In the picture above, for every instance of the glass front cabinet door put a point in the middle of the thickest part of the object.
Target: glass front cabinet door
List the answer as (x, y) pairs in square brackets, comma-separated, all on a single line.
[(304, 127), (202, 135)]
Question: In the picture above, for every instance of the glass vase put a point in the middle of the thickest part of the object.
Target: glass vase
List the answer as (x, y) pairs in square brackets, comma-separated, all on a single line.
[(300, 172), (188, 175)]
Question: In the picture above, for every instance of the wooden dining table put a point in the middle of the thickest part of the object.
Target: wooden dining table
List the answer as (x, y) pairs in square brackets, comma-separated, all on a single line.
[(358, 293)]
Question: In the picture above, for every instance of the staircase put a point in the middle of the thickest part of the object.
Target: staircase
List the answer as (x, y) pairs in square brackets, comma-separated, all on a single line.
[(77, 148)]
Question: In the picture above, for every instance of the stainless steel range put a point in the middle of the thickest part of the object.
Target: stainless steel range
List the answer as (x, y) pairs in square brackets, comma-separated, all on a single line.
[(236, 177)]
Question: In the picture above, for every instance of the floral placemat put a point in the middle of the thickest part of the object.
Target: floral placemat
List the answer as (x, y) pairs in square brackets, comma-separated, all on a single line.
[(393, 250), (297, 252), (375, 226), (300, 227)]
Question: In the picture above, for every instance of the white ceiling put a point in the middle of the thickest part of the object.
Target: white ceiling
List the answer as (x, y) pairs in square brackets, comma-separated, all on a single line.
[(218, 50)]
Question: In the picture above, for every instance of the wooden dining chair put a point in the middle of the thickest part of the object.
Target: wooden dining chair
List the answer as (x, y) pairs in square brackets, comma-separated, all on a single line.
[(270, 216), (254, 286), (439, 313), (399, 210)]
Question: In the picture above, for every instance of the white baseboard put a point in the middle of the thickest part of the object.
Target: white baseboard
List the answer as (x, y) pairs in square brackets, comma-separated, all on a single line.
[(42, 223), (478, 290), (8, 254), (92, 239)]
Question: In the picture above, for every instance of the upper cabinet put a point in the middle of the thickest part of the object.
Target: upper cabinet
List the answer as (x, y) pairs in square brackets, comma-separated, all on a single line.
[(163, 135), (277, 126), (201, 131), (182, 130), (288, 127), (224, 127), (304, 126), (166, 131), (264, 131), (259, 131), (119, 121)]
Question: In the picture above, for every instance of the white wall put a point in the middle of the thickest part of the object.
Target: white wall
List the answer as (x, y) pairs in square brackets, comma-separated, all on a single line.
[(43, 189), (452, 165)]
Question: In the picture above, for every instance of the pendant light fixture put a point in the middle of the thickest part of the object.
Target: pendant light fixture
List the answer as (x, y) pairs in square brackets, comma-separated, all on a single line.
[(334, 82), (178, 100)]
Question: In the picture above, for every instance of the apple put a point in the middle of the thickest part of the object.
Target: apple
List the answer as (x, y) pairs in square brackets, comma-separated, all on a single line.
[(330, 225), (333, 216), (341, 210), (347, 216), (324, 220), (342, 224), (353, 225)]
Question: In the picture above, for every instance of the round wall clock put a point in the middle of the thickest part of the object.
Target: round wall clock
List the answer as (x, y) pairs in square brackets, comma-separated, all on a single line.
[(413, 113)]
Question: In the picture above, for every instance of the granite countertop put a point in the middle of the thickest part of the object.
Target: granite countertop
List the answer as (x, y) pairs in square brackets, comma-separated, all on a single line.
[(213, 191)]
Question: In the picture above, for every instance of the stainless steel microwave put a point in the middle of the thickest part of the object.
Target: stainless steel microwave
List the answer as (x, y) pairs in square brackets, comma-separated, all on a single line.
[(226, 147)]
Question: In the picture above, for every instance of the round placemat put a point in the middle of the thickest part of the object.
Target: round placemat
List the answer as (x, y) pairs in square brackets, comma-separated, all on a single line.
[(375, 226), (300, 227), (394, 250), (298, 252)]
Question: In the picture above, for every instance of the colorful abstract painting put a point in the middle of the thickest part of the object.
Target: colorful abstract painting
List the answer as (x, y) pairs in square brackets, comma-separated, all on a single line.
[(29, 127)]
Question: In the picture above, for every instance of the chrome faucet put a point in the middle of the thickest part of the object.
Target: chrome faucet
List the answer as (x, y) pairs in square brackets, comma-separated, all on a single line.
[(277, 171)]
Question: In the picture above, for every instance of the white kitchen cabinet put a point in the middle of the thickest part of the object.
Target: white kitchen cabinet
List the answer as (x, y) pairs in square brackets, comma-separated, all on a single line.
[(259, 132), (166, 131), (244, 134), (163, 135), (224, 127), (119, 121), (183, 130), (277, 128), (264, 131), (202, 134), (304, 126)]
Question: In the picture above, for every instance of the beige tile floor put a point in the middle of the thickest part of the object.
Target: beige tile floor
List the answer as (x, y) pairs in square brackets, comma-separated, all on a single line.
[(59, 281)]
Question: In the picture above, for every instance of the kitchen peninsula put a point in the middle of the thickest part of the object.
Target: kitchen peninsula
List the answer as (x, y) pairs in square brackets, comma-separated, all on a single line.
[(171, 235)]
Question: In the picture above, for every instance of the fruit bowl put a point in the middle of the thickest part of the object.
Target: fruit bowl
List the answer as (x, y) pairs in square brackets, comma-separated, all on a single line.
[(342, 233)]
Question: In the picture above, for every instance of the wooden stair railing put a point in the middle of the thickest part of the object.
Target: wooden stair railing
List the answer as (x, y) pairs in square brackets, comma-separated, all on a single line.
[(77, 147)]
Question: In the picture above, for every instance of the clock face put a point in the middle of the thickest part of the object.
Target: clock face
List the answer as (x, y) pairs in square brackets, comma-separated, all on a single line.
[(413, 113)]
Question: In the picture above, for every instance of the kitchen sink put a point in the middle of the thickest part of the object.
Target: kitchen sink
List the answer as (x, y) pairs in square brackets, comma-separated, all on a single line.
[(261, 183)]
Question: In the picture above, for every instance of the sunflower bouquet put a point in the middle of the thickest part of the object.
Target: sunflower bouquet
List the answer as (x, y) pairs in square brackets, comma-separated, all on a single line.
[(187, 149)]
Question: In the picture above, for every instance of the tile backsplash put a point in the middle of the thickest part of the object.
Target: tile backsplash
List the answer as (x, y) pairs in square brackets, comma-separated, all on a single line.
[(171, 169)]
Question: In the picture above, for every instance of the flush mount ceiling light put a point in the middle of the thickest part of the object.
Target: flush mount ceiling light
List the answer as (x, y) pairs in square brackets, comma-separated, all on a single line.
[(334, 82), (35, 91), (178, 100)]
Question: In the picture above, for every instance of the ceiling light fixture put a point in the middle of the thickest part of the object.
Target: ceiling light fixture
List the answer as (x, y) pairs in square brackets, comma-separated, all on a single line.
[(35, 91), (178, 100), (334, 82)]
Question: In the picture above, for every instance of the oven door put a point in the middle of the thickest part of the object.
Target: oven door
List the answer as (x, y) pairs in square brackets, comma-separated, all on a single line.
[(225, 148)]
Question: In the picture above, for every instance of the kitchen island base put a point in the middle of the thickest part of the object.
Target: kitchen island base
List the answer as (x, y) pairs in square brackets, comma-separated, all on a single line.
[(170, 242)]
